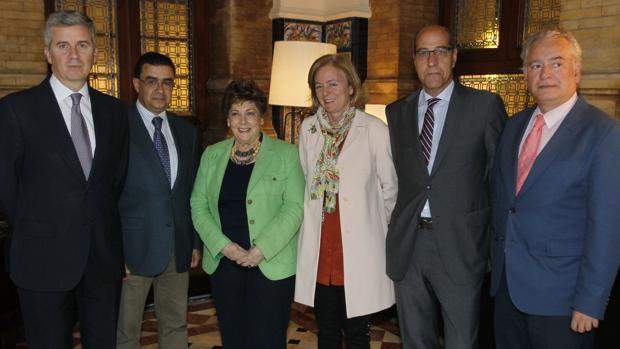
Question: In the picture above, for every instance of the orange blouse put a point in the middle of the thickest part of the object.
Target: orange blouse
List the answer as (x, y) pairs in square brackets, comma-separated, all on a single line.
[(331, 266)]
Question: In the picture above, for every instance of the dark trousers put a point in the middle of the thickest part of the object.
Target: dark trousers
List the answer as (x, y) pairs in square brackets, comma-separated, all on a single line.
[(331, 318), (515, 329), (49, 317), (253, 312), (426, 290)]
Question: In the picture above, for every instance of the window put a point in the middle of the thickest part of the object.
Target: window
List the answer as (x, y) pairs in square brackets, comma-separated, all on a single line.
[(490, 37), (126, 29)]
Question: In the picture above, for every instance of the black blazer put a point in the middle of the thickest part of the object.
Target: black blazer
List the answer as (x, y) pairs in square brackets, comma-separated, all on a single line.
[(58, 220), (457, 186), (154, 218)]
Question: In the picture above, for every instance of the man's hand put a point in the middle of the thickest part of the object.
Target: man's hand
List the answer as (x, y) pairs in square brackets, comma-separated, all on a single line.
[(127, 272), (196, 255), (234, 252), (582, 323)]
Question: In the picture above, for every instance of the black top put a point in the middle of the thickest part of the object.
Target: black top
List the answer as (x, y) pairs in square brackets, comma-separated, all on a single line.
[(233, 215)]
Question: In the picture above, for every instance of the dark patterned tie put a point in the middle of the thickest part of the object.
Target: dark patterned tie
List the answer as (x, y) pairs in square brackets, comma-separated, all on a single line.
[(79, 135), (426, 136), (161, 146)]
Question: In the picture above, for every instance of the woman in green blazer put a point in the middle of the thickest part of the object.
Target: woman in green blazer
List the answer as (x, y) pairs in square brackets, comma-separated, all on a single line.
[(247, 206)]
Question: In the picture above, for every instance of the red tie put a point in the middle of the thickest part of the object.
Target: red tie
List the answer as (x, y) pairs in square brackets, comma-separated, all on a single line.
[(529, 151)]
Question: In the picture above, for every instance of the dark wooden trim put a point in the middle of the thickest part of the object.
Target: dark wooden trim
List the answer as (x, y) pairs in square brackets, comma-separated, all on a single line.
[(49, 7), (200, 51), (128, 14), (502, 60), (359, 46)]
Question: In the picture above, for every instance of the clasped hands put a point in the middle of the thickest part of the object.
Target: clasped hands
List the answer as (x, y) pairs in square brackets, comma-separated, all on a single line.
[(245, 258)]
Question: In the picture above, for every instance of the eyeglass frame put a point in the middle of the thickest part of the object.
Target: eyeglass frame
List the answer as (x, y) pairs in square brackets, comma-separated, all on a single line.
[(168, 84), (437, 52)]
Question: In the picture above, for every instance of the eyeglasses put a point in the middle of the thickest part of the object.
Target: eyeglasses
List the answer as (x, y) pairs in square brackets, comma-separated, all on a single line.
[(154, 83), (441, 51)]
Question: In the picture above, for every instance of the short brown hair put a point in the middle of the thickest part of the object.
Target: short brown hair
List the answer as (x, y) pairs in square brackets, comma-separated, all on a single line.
[(242, 90), (343, 63)]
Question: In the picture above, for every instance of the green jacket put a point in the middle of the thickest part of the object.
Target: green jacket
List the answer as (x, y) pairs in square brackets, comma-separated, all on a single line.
[(274, 204)]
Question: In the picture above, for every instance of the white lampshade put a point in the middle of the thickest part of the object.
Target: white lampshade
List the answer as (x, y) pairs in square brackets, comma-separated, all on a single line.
[(377, 110), (289, 71)]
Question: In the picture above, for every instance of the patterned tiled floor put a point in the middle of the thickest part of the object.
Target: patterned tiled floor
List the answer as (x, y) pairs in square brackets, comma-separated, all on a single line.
[(204, 332)]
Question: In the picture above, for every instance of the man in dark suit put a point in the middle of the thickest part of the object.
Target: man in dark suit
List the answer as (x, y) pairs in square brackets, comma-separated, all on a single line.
[(63, 149), (443, 140), (555, 199), (159, 240)]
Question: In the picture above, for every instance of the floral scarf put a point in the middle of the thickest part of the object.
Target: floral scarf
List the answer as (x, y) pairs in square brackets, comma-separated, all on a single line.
[(326, 177)]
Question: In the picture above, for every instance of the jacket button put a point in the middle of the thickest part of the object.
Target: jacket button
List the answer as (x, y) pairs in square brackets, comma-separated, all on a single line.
[(251, 221), (428, 187), (250, 202)]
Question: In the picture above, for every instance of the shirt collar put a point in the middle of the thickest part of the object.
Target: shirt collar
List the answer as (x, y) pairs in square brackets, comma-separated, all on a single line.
[(444, 95), (557, 114), (62, 92), (147, 113)]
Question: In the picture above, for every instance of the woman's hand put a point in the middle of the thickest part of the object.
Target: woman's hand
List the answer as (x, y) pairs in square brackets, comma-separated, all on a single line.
[(252, 259), (234, 252)]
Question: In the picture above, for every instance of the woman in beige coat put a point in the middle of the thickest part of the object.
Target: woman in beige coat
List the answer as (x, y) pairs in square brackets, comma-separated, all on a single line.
[(350, 193)]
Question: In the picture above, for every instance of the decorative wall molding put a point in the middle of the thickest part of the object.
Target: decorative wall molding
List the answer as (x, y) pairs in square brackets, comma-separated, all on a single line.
[(320, 10)]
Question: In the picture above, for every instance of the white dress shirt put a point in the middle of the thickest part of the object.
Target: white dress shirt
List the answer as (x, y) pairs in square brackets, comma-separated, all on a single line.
[(440, 110), (147, 118), (63, 97), (553, 120)]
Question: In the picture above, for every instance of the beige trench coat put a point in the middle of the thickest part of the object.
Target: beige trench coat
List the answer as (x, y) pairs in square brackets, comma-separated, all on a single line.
[(368, 188)]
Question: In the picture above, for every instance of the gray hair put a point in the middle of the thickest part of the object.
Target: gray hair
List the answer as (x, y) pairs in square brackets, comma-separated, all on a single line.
[(557, 33), (65, 19)]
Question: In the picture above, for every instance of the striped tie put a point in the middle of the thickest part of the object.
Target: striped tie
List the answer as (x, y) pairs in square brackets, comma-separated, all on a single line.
[(426, 136)]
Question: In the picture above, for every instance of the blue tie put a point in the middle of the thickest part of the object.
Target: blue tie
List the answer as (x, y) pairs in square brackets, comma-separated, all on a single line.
[(161, 146)]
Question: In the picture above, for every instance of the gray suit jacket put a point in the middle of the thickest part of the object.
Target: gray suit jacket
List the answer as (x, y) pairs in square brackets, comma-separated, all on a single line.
[(154, 218), (457, 187)]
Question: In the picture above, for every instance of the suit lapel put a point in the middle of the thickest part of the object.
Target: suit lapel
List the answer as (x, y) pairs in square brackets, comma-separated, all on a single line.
[(556, 145), (451, 126), (60, 138), (220, 162), (142, 139), (511, 160), (263, 162), (357, 125), (180, 147), (102, 131), (412, 129)]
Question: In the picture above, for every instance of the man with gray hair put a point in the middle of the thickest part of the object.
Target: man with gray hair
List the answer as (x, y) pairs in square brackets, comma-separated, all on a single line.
[(555, 198), (63, 151)]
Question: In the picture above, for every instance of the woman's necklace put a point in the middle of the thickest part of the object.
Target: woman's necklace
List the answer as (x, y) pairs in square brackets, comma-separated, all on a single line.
[(244, 157)]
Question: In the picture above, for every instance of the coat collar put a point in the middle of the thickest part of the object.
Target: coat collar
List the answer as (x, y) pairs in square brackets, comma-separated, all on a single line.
[(451, 126), (450, 129), (144, 144), (54, 122), (572, 124)]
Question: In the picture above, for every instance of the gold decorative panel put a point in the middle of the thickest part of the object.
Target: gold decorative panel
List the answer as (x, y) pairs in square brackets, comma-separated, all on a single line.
[(104, 74), (541, 14), (165, 28), (477, 23), (511, 87)]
